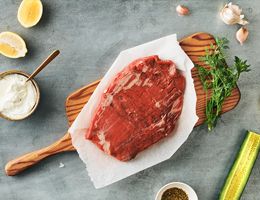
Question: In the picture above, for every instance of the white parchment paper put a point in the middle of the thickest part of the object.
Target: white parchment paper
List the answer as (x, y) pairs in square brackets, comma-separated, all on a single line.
[(104, 169)]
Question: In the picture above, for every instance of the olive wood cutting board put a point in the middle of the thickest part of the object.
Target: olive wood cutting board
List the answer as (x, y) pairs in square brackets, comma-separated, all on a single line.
[(194, 46)]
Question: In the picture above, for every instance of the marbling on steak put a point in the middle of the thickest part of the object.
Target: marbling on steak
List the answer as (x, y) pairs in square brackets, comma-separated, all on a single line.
[(139, 108)]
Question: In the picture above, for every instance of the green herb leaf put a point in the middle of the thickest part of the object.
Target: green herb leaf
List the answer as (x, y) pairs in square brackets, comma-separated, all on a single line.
[(219, 78)]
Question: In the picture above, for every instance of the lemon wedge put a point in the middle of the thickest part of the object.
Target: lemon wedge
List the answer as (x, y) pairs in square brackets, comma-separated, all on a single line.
[(29, 13), (12, 45)]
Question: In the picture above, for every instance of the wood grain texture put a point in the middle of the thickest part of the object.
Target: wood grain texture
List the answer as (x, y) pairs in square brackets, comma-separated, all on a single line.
[(50, 58), (193, 45), (21, 163)]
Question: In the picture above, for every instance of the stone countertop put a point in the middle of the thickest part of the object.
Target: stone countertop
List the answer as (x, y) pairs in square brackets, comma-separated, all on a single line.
[(90, 34)]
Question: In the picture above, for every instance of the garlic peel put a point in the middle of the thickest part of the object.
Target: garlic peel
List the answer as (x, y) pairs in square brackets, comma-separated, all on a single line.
[(232, 14), (242, 35)]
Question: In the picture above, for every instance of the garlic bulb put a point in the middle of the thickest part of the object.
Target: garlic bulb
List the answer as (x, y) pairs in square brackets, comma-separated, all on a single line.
[(182, 10), (232, 14), (242, 35)]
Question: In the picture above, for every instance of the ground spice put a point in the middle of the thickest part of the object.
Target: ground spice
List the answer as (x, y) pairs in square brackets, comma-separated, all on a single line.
[(174, 194)]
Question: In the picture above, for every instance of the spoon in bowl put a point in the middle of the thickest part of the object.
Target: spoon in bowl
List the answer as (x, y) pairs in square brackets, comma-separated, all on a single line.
[(44, 64), (34, 88)]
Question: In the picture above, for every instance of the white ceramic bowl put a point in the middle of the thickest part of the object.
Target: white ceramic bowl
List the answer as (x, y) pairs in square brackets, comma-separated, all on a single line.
[(36, 88), (189, 191)]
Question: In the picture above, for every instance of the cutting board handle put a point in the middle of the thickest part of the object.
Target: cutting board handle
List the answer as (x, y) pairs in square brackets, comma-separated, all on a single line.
[(19, 164)]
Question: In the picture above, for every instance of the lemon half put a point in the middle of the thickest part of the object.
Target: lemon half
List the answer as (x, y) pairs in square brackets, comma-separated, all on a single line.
[(12, 45), (29, 13)]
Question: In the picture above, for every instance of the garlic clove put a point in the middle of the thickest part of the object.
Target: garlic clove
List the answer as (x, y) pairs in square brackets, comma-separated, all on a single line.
[(182, 10), (232, 14), (242, 35)]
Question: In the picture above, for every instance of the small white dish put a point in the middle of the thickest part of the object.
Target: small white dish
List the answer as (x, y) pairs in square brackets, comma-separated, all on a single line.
[(9, 72), (189, 191)]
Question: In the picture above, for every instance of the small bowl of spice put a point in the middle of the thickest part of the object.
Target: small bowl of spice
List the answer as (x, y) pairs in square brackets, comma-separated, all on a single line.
[(176, 191), (18, 97)]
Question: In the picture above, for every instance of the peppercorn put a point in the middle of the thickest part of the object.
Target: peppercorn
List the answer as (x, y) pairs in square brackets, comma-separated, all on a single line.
[(174, 194)]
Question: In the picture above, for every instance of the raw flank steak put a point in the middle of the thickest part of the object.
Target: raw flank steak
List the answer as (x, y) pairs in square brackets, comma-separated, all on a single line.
[(140, 107)]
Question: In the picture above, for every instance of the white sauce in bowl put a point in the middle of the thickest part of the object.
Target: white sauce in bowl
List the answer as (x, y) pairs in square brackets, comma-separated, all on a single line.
[(17, 97)]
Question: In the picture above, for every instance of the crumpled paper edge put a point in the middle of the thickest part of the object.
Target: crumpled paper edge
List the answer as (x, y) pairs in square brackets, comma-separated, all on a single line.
[(79, 141)]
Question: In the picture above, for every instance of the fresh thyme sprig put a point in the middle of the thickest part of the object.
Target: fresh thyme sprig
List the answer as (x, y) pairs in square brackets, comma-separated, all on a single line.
[(219, 78)]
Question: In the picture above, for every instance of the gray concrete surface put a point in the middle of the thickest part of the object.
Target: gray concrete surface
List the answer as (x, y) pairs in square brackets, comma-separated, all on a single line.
[(90, 34)]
